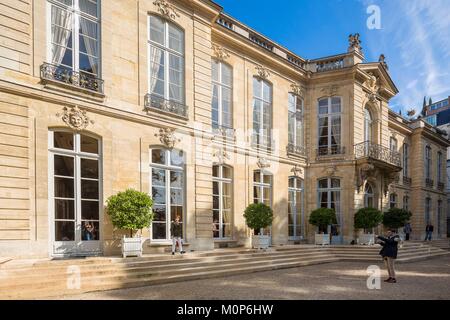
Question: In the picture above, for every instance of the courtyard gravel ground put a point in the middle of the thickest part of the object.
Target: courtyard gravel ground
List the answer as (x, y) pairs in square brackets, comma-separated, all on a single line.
[(429, 279)]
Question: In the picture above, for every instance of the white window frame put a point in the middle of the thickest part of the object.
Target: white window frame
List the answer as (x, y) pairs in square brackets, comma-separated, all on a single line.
[(297, 189), (167, 51), (329, 190), (167, 168), (297, 100), (330, 115), (220, 86), (220, 181), (369, 195), (77, 154), (76, 14), (261, 185), (259, 136), (368, 126)]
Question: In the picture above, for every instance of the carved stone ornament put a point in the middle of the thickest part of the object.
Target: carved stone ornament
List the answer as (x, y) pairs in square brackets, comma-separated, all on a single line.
[(388, 179), (330, 91), (220, 53), (75, 118), (298, 90), (263, 163), (373, 85), (331, 170), (382, 60), (262, 72), (167, 137), (297, 170), (221, 155), (166, 9), (365, 171), (354, 43)]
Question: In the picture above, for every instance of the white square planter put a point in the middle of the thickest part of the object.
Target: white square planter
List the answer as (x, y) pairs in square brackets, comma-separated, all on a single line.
[(260, 241), (322, 239), (367, 238), (131, 247)]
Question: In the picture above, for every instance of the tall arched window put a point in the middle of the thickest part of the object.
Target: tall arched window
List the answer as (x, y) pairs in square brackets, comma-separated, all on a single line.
[(222, 99), (428, 162), (368, 128), (369, 197), (75, 175), (222, 201), (262, 190), (329, 196), (330, 126), (262, 113), (295, 120), (166, 65), (295, 208), (167, 185)]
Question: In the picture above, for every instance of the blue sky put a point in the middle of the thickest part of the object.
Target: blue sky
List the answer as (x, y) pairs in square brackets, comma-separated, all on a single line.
[(414, 37)]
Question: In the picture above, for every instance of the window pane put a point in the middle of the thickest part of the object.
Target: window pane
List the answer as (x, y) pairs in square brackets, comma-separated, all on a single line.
[(267, 178), (257, 88), (176, 39), (176, 196), (63, 166), (226, 189), (159, 213), (88, 28), (90, 231), (64, 187), (267, 90), (89, 210), (335, 105), (176, 157), (226, 172), (257, 176), (64, 231), (159, 195), (157, 30), (158, 156), (64, 209), (215, 188), (89, 189), (226, 75), (158, 230), (89, 144), (63, 140), (335, 183), (176, 179), (215, 70), (89, 168), (88, 6), (88, 64), (176, 211), (323, 184)]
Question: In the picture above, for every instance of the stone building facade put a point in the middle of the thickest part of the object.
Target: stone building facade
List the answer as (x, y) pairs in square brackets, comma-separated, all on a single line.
[(179, 100)]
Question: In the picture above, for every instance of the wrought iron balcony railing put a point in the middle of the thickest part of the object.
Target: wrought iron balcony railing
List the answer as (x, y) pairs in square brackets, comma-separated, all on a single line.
[(407, 181), (378, 152), (67, 76), (296, 150), (157, 103), (228, 134), (334, 150), (429, 183), (441, 186)]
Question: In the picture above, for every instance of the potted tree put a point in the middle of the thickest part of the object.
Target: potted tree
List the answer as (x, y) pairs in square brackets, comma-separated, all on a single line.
[(131, 210), (322, 218), (367, 219), (396, 218), (257, 217)]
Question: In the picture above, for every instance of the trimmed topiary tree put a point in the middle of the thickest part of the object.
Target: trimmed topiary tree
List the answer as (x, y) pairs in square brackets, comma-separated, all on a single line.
[(367, 218), (322, 218), (396, 218), (131, 210), (258, 216)]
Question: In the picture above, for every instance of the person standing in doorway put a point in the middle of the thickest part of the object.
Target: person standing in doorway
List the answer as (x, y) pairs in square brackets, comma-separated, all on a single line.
[(407, 230), (389, 253), (429, 231), (176, 230)]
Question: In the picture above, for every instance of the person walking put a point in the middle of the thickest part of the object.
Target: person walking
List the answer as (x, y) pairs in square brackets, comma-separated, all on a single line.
[(176, 232), (428, 231), (389, 253), (407, 230)]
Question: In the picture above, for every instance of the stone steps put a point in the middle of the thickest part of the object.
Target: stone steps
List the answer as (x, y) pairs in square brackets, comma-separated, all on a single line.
[(44, 278)]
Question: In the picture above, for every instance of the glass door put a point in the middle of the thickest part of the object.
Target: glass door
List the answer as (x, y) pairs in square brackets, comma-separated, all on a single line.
[(74, 193)]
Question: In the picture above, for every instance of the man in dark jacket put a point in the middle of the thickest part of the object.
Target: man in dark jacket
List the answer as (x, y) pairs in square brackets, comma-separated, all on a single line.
[(176, 230), (428, 231), (389, 253)]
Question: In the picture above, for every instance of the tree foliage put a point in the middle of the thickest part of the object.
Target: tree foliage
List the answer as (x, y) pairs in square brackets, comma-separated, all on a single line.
[(322, 217), (367, 218), (396, 218), (258, 215), (131, 210)]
